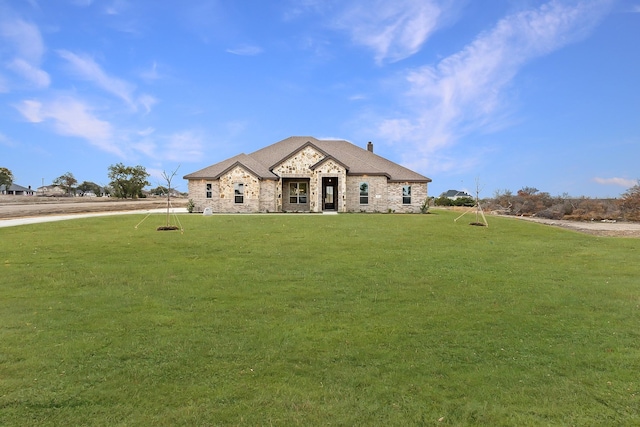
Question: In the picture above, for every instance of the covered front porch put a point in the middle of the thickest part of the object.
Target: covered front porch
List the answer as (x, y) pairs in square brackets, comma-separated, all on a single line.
[(323, 194)]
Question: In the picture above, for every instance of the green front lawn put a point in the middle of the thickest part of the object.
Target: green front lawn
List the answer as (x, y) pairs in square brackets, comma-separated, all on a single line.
[(317, 320)]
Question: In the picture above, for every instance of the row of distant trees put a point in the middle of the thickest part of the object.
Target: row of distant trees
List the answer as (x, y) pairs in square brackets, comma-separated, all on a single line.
[(125, 182), (529, 201)]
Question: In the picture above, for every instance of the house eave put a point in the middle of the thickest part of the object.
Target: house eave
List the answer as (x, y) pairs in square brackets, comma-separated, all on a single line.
[(377, 173), (297, 150), (326, 159), (425, 180)]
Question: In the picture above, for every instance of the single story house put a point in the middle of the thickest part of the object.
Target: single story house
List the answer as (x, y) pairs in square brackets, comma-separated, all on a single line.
[(51, 191), (16, 190), (455, 195), (305, 174)]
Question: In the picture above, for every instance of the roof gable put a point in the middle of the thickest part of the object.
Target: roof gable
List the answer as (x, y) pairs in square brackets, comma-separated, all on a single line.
[(329, 158), (300, 151), (15, 187), (214, 171), (456, 193), (356, 160)]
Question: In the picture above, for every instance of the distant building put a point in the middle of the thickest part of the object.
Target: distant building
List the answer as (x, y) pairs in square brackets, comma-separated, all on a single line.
[(50, 191), (455, 195), (16, 190)]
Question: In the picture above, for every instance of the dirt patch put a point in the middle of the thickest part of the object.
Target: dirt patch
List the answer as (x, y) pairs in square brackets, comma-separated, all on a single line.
[(31, 206), (596, 228)]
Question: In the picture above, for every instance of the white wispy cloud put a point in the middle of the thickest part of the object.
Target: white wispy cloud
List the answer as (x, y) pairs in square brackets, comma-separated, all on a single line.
[(151, 74), (184, 146), (146, 132), (88, 69), (4, 84), (116, 7), (82, 3), (24, 41), (146, 101), (24, 37), (245, 50), (297, 8), (357, 97), (466, 92), (621, 182), (31, 73), (6, 141), (392, 30), (71, 117)]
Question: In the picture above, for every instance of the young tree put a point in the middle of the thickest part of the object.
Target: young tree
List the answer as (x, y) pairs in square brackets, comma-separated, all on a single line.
[(6, 178), (66, 181), (168, 177), (127, 181)]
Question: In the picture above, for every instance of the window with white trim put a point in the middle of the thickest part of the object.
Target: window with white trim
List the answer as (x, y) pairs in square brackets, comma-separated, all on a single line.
[(406, 195), (208, 190), (364, 193), (238, 192), (298, 192)]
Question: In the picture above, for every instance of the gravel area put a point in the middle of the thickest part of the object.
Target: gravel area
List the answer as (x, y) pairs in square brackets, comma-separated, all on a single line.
[(30, 206), (18, 210), (597, 228)]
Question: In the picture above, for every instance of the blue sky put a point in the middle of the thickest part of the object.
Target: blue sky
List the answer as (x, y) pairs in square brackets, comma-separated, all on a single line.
[(503, 94)]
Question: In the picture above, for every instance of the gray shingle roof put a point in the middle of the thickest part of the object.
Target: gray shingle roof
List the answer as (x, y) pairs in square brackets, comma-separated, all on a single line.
[(358, 161), (15, 187), (455, 193)]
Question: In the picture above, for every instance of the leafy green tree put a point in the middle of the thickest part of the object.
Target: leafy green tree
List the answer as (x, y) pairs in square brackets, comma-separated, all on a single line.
[(6, 178), (127, 181), (159, 191), (88, 186), (66, 182), (443, 201)]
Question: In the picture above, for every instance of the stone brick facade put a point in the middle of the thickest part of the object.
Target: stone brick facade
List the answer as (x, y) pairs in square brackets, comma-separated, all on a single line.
[(418, 196), (311, 163), (378, 194), (198, 193), (258, 196), (296, 168), (268, 192), (329, 169)]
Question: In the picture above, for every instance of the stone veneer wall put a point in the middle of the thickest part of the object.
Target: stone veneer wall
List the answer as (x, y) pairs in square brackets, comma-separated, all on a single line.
[(268, 189), (267, 195), (198, 193), (299, 166), (328, 169), (251, 200), (418, 196), (390, 194), (378, 194)]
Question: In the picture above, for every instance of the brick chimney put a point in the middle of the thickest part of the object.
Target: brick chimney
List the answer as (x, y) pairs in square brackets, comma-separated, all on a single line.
[(370, 146)]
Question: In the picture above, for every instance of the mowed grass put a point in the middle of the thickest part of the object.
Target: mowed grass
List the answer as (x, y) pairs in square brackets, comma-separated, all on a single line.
[(317, 320)]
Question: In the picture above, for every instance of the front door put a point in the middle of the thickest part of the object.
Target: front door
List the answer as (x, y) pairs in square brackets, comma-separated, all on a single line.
[(329, 194)]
